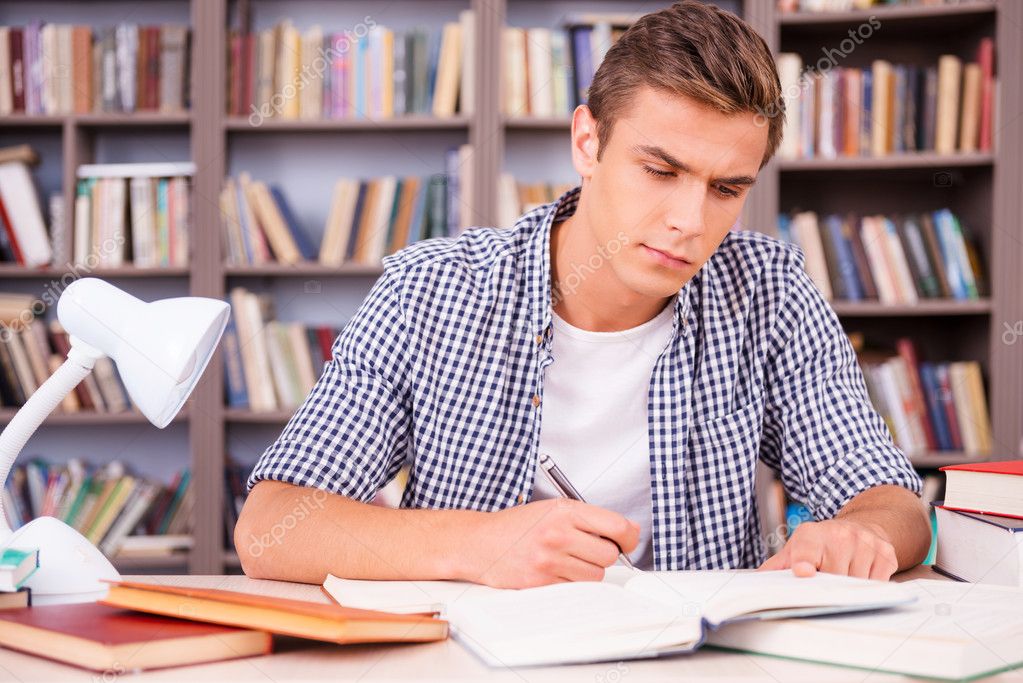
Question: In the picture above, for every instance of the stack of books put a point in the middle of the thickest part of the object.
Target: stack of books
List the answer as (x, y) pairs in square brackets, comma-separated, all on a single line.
[(888, 108), (65, 69), (371, 72), (270, 365), (137, 214), (32, 349), (368, 218), (23, 235), (928, 406), (123, 515), (980, 523), (146, 626), (547, 72), (891, 259)]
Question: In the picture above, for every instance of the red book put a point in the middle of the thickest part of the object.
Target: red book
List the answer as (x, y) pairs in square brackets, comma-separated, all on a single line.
[(9, 228), (108, 639), (17, 42), (990, 488), (907, 350)]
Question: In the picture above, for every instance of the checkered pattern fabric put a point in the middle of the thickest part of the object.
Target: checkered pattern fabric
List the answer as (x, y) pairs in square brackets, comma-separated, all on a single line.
[(442, 367)]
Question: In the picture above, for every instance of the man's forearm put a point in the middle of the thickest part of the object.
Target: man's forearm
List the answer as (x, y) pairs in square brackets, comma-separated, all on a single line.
[(898, 515), (295, 533)]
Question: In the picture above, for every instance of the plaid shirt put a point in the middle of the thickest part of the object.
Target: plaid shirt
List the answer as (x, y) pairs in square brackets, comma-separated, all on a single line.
[(442, 367)]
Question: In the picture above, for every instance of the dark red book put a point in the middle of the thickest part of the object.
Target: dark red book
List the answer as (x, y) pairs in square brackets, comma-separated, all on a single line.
[(102, 638), (990, 488), (17, 44), (5, 219), (986, 59)]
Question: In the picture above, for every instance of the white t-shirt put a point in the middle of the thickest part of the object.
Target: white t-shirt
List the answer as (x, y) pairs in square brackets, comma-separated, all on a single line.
[(594, 420)]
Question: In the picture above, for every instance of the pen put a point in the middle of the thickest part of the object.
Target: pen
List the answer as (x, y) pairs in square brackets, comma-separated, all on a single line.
[(565, 488)]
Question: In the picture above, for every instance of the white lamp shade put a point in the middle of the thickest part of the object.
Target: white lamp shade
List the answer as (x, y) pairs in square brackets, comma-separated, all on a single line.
[(160, 348)]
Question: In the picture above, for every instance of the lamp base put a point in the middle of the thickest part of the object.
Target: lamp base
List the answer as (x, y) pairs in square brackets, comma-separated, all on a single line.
[(70, 567)]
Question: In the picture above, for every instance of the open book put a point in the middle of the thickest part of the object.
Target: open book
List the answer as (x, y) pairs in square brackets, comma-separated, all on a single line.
[(629, 615)]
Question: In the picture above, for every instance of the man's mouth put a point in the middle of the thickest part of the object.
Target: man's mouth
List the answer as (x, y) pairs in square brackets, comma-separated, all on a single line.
[(666, 258)]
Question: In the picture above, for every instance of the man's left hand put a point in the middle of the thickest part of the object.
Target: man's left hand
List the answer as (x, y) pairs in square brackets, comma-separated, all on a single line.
[(837, 546)]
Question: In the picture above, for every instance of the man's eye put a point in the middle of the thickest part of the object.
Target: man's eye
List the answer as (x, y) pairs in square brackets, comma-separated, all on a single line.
[(656, 173), (727, 191)]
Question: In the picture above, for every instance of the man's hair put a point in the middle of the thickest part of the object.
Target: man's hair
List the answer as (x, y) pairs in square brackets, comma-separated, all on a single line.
[(696, 50)]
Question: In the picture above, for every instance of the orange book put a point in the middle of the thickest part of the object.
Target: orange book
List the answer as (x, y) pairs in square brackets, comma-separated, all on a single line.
[(284, 616), (81, 68), (102, 638)]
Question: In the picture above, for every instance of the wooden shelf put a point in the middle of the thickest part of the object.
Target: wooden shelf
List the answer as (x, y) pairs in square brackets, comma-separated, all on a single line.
[(243, 125), (138, 118), (538, 122), (15, 271), (935, 307), (304, 270), (244, 416), (90, 417), (935, 459), (921, 16), (891, 161)]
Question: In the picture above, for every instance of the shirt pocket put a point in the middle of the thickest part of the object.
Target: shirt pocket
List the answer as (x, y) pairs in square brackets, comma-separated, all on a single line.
[(738, 430)]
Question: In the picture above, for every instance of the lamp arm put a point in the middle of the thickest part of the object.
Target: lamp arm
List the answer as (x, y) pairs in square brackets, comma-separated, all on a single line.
[(80, 360)]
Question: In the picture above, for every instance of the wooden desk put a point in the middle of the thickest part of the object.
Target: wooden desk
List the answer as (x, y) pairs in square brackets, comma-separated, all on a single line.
[(303, 660)]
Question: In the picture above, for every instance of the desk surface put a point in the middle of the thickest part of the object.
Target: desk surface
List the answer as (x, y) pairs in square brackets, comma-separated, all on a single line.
[(302, 660)]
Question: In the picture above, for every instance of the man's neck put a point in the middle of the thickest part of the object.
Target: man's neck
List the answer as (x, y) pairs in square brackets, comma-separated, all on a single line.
[(587, 292)]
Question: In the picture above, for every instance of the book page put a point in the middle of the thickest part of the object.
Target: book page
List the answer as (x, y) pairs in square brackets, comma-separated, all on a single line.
[(567, 622), (399, 597), (723, 595)]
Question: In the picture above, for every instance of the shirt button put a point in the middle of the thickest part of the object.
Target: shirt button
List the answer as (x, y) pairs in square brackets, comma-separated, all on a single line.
[(539, 339), (536, 400), (522, 498)]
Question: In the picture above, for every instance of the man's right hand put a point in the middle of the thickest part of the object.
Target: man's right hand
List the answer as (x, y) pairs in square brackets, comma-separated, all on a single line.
[(544, 542)]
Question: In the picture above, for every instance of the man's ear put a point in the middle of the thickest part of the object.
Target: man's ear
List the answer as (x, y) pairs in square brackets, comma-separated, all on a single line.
[(584, 141)]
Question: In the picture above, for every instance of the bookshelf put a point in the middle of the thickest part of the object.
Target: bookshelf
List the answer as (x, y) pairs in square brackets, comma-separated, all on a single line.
[(307, 155)]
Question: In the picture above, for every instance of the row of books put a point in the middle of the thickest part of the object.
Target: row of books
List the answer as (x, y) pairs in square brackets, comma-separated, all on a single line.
[(65, 69), (891, 259), (268, 364), (786, 6), (888, 108), (368, 218), (106, 504), (515, 198), (24, 238), (980, 523), (547, 72), (928, 406), (133, 213), (32, 349), (374, 72)]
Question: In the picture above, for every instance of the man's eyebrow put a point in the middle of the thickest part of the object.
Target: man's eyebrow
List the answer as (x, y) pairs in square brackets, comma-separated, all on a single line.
[(663, 155)]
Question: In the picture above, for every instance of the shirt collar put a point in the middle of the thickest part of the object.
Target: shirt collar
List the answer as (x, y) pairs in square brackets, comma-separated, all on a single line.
[(538, 268)]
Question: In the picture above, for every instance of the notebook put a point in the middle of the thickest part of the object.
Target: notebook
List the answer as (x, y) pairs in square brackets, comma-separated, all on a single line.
[(111, 640), (629, 615), (277, 615), (952, 631)]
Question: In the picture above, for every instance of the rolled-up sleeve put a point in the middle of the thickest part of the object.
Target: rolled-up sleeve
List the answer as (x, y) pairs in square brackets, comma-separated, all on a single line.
[(350, 434), (821, 433)]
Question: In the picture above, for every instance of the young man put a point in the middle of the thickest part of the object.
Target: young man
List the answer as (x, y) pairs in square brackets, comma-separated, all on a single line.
[(626, 330)]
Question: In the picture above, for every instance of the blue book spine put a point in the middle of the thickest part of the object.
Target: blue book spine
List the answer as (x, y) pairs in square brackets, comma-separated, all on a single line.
[(946, 240), (932, 396), (785, 228), (234, 375), (304, 244), (582, 58), (454, 214), (353, 236), (846, 263), (431, 69), (359, 71), (243, 223), (867, 78)]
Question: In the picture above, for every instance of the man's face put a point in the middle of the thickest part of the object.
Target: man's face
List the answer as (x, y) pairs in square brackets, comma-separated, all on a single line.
[(673, 177)]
